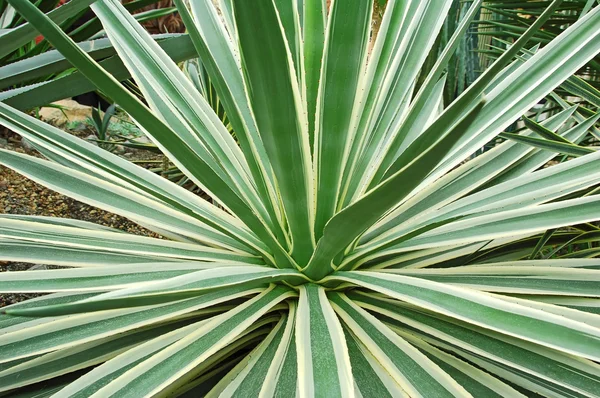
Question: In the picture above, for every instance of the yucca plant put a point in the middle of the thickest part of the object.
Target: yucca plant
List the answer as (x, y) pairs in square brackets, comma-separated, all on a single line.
[(350, 250)]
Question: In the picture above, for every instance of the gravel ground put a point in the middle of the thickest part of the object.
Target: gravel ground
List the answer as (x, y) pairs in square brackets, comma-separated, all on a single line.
[(19, 195)]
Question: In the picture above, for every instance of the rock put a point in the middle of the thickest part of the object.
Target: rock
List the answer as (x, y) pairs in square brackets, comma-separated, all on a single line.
[(92, 139), (74, 112), (3, 142), (79, 127), (26, 144), (143, 139), (119, 149)]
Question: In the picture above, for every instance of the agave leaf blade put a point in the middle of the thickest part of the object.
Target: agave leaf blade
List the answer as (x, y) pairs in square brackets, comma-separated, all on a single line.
[(157, 372), (347, 225), (343, 63), (473, 307), (277, 105), (490, 349), (180, 287), (413, 371), (323, 362), (15, 38), (313, 35), (65, 332), (369, 374)]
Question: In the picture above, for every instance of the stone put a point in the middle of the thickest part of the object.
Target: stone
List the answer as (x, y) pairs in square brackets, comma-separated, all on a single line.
[(72, 112), (92, 139), (143, 139), (26, 144)]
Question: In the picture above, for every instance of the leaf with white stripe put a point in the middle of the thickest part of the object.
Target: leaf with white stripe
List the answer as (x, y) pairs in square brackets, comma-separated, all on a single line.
[(352, 221), (66, 332), (484, 310), (323, 361), (82, 356), (186, 159), (526, 191), (508, 223), (457, 183), (371, 378), (87, 158), (158, 372), (9, 323), (248, 378), (282, 377), (191, 284), (31, 252), (516, 279), (534, 79), (413, 371), (277, 105), (313, 31), (540, 363), (110, 197), (15, 230), (343, 63), (95, 279), (173, 97), (94, 380), (216, 50), (19, 36), (477, 382)]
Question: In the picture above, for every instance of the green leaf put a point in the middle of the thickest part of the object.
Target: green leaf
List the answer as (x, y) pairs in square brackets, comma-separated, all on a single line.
[(347, 225), (164, 290), (157, 372), (542, 367), (557, 147), (483, 310), (323, 362), (313, 31), (15, 38), (276, 101), (343, 63), (64, 332), (413, 371)]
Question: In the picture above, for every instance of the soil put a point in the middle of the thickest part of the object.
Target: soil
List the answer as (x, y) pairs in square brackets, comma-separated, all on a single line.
[(19, 195)]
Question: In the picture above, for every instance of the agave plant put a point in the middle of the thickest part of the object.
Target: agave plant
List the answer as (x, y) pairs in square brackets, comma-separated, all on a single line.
[(507, 20), (343, 253)]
